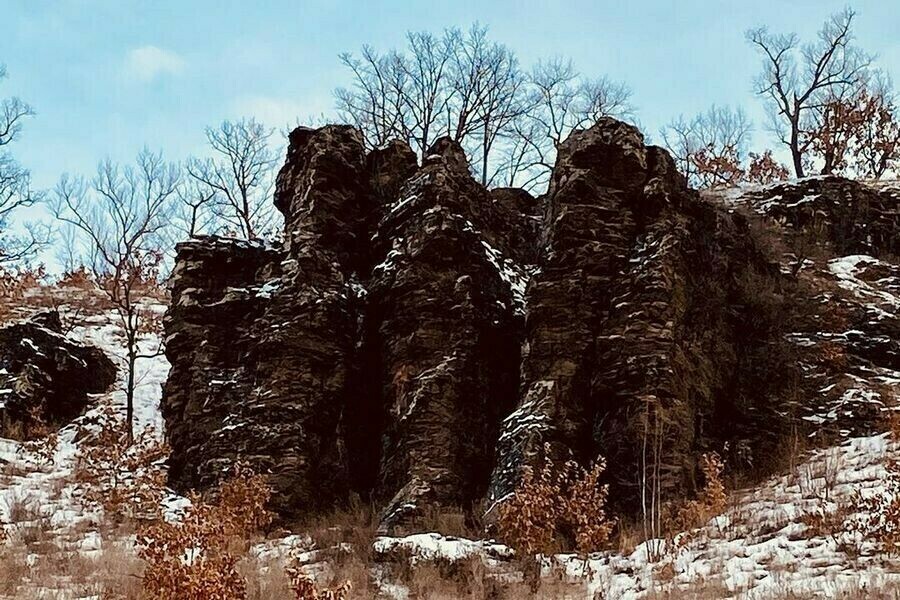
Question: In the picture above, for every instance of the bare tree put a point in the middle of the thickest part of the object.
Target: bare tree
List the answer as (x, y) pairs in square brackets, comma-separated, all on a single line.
[(604, 97), (241, 174), (68, 254), (560, 101), (710, 148), (375, 104), (555, 95), (15, 186), (797, 79), (487, 89), (427, 93), (464, 85), (525, 159), (121, 215), (193, 213)]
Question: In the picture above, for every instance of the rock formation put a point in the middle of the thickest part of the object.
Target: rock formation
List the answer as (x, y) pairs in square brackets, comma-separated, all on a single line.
[(417, 339), (633, 320), (45, 377), (839, 238)]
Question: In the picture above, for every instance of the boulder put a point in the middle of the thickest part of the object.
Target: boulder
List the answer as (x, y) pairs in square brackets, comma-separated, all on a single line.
[(46, 378)]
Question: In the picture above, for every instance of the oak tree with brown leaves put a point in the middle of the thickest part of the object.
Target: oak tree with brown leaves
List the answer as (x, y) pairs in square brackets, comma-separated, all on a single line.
[(710, 148), (764, 169), (798, 79)]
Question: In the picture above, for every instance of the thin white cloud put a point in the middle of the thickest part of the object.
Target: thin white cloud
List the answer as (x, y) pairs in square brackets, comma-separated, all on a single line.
[(277, 112), (149, 62)]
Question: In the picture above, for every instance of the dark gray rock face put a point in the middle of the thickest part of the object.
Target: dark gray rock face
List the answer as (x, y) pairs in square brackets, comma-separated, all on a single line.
[(375, 353), (440, 319), (218, 291), (634, 321), (418, 339), (852, 217), (261, 352), (45, 377), (840, 239)]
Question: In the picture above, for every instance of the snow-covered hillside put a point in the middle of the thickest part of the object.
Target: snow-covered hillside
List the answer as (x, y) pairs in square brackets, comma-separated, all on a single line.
[(765, 545), (40, 502)]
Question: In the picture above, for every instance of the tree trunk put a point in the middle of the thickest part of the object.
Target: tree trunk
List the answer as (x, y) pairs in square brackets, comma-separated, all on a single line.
[(129, 390), (796, 155), (485, 149), (129, 398)]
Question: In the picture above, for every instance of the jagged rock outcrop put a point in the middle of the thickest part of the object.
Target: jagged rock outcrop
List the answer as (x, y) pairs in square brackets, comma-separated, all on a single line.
[(852, 217), (635, 332), (46, 378), (839, 239), (261, 354), (417, 339), (218, 291), (375, 352), (439, 318)]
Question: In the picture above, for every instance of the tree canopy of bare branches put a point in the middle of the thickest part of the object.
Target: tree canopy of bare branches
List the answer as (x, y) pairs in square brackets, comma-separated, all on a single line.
[(120, 215), (798, 80), (15, 185), (710, 148), (463, 85), (558, 100), (239, 177), (194, 213)]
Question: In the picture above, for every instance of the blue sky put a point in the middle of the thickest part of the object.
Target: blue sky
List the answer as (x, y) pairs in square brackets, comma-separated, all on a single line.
[(107, 77)]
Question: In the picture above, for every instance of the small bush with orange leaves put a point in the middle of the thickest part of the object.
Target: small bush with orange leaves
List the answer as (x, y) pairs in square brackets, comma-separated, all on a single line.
[(195, 558), (764, 169), (125, 478), (304, 586), (554, 501), (711, 501)]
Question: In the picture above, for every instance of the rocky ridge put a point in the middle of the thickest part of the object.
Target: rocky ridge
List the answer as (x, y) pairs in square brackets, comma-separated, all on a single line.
[(417, 339)]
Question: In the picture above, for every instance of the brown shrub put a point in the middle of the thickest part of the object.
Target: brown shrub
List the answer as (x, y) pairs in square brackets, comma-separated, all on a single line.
[(711, 501), (193, 559), (584, 506), (123, 478), (557, 501), (527, 520)]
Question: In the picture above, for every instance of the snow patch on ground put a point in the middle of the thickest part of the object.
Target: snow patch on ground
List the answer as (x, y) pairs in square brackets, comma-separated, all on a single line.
[(46, 493), (759, 548)]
